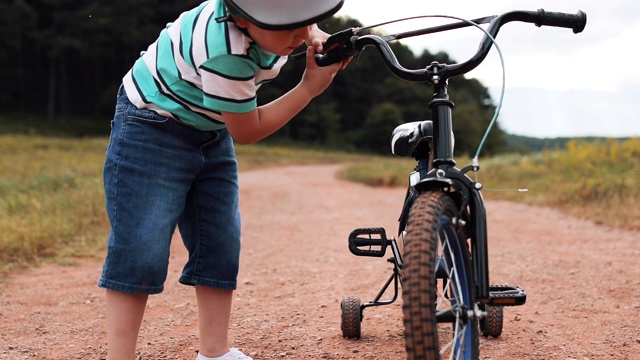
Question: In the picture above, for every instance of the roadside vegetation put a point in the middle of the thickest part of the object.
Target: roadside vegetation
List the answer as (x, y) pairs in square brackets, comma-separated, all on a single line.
[(597, 180), (52, 205)]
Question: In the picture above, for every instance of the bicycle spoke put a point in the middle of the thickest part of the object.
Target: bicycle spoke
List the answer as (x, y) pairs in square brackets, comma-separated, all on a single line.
[(452, 293)]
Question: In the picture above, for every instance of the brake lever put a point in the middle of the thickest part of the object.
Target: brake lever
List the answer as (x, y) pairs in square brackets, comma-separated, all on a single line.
[(337, 40), (338, 47)]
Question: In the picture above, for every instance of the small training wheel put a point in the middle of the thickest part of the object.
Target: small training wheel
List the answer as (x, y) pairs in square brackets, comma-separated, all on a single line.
[(491, 325), (351, 318)]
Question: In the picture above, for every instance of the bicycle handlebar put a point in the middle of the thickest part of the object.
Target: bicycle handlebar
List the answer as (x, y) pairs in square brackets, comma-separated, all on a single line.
[(576, 21), (345, 44)]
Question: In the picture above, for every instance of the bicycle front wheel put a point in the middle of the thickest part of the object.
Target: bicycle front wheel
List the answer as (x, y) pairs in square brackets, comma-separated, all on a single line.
[(437, 292)]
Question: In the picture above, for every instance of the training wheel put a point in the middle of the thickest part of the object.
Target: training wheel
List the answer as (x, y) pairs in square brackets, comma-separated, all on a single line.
[(491, 325), (351, 317)]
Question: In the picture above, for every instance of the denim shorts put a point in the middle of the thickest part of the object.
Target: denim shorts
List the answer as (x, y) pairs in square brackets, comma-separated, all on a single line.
[(159, 174)]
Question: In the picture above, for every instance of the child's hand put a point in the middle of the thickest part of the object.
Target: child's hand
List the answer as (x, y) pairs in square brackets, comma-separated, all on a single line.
[(317, 39), (315, 78)]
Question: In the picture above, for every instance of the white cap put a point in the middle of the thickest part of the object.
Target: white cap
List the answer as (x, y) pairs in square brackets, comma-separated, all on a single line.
[(283, 14)]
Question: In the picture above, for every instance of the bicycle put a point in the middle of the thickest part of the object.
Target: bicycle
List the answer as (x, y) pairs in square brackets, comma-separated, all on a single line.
[(443, 267)]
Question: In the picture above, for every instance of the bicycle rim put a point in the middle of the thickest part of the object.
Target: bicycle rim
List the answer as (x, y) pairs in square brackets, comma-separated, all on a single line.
[(438, 310)]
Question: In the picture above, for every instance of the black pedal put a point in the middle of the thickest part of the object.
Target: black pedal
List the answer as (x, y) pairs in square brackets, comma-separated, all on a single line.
[(368, 242), (505, 295)]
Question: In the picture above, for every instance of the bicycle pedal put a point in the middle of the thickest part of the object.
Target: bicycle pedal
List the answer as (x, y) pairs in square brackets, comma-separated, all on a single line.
[(506, 295), (368, 242)]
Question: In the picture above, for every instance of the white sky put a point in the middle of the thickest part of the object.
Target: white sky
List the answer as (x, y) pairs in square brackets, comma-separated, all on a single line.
[(557, 83)]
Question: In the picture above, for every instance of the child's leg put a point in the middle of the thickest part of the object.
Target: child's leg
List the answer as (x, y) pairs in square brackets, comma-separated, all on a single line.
[(210, 229), (214, 313), (124, 316)]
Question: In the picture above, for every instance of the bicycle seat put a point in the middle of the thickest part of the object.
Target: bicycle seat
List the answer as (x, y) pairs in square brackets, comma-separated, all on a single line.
[(406, 137)]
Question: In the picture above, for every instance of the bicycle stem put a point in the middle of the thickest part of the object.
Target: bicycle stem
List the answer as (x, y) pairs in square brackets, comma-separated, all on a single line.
[(441, 111)]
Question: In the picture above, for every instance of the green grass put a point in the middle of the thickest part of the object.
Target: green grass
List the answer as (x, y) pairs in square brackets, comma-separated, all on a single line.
[(599, 181), (263, 155), (51, 202), (66, 127), (379, 171)]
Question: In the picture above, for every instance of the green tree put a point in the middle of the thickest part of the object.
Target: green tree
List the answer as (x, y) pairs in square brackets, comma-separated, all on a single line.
[(68, 56), (473, 113), (376, 130), (18, 19), (319, 123)]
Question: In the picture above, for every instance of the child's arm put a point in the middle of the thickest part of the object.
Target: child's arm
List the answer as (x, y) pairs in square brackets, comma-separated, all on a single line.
[(247, 128)]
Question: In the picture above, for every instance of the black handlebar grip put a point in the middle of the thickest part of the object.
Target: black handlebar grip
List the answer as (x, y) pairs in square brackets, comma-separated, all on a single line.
[(576, 22), (329, 58)]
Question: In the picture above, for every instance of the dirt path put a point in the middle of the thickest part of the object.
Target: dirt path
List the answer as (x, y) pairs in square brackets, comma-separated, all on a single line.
[(582, 280)]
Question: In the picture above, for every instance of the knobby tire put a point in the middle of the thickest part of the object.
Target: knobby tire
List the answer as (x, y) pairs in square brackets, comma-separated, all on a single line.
[(430, 233)]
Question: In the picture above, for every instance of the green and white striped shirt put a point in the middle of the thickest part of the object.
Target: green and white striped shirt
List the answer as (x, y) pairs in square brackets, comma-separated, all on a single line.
[(199, 67)]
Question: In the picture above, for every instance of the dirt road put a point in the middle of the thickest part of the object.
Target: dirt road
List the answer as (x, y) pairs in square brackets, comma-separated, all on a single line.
[(582, 280)]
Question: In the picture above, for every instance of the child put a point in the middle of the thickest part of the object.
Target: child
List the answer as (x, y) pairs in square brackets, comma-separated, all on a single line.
[(171, 162)]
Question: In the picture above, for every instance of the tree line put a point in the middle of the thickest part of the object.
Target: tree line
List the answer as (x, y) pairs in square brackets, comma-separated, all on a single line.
[(66, 58)]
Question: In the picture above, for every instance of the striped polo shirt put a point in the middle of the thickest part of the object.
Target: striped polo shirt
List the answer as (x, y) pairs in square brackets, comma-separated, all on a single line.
[(199, 67)]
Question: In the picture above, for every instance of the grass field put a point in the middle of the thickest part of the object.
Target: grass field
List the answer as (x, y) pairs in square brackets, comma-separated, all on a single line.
[(52, 205), (51, 202), (599, 181)]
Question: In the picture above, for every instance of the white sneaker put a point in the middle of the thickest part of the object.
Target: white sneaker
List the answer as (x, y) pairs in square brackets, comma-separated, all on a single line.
[(233, 354)]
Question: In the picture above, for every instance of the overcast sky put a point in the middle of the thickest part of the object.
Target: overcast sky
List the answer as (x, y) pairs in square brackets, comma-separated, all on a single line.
[(557, 83)]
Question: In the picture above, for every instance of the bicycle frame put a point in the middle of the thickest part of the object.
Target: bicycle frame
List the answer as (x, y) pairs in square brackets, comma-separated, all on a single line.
[(441, 174)]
